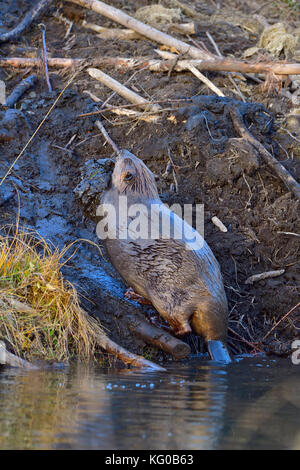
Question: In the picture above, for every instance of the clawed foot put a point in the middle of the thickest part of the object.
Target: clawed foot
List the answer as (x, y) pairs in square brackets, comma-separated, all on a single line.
[(131, 295)]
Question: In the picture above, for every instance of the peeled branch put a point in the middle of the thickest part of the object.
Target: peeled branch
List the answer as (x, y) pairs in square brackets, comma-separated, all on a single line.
[(158, 338)]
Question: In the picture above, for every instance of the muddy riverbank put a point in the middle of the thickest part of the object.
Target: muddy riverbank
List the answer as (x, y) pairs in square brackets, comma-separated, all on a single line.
[(212, 167)]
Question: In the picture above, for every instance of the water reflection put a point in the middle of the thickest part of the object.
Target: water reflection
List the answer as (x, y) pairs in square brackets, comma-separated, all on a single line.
[(199, 405)]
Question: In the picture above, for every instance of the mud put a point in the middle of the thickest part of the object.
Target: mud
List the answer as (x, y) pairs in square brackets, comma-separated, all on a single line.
[(213, 167)]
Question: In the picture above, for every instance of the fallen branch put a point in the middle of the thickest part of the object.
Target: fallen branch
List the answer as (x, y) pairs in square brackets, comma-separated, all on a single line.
[(32, 15), (114, 85), (125, 356), (119, 16), (10, 359), (218, 223), (279, 169), (156, 65), (20, 89), (265, 275), (158, 338)]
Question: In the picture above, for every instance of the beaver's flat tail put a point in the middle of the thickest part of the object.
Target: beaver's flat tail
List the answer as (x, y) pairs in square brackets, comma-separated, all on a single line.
[(218, 351)]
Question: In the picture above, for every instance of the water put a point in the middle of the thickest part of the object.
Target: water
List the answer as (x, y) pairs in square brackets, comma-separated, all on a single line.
[(251, 404)]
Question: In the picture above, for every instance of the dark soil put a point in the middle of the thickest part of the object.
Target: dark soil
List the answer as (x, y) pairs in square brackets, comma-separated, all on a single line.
[(214, 167)]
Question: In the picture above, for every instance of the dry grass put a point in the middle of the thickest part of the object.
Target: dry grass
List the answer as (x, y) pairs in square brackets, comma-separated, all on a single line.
[(40, 315)]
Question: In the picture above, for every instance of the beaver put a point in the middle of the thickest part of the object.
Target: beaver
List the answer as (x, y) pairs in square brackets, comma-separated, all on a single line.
[(179, 275)]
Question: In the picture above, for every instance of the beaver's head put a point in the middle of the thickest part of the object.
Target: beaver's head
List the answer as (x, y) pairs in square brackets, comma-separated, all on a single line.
[(131, 175)]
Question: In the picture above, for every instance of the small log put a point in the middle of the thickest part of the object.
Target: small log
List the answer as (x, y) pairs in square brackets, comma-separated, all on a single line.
[(20, 89), (158, 338), (279, 169), (122, 90), (32, 15), (125, 356)]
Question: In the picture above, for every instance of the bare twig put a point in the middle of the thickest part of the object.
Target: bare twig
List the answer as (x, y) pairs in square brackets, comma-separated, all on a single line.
[(20, 89), (43, 29), (156, 65), (205, 80), (158, 338), (264, 275), (279, 169), (10, 359), (32, 15), (152, 33), (281, 320), (107, 137)]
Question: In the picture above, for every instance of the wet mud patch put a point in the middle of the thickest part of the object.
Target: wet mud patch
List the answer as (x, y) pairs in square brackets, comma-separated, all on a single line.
[(212, 166)]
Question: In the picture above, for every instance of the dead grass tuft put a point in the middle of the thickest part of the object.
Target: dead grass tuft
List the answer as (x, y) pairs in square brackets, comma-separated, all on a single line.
[(40, 315)]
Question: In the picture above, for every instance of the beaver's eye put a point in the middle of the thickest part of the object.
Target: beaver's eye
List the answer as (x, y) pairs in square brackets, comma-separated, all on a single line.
[(128, 176)]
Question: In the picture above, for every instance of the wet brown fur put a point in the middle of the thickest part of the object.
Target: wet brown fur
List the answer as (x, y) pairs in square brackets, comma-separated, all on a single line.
[(184, 287)]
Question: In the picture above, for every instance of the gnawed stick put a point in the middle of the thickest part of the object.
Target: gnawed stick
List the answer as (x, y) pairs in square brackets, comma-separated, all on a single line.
[(264, 275), (32, 15), (158, 338), (279, 169), (122, 90), (20, 89), (45, 56), (125, 356), (156, 65), (119, 16)]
